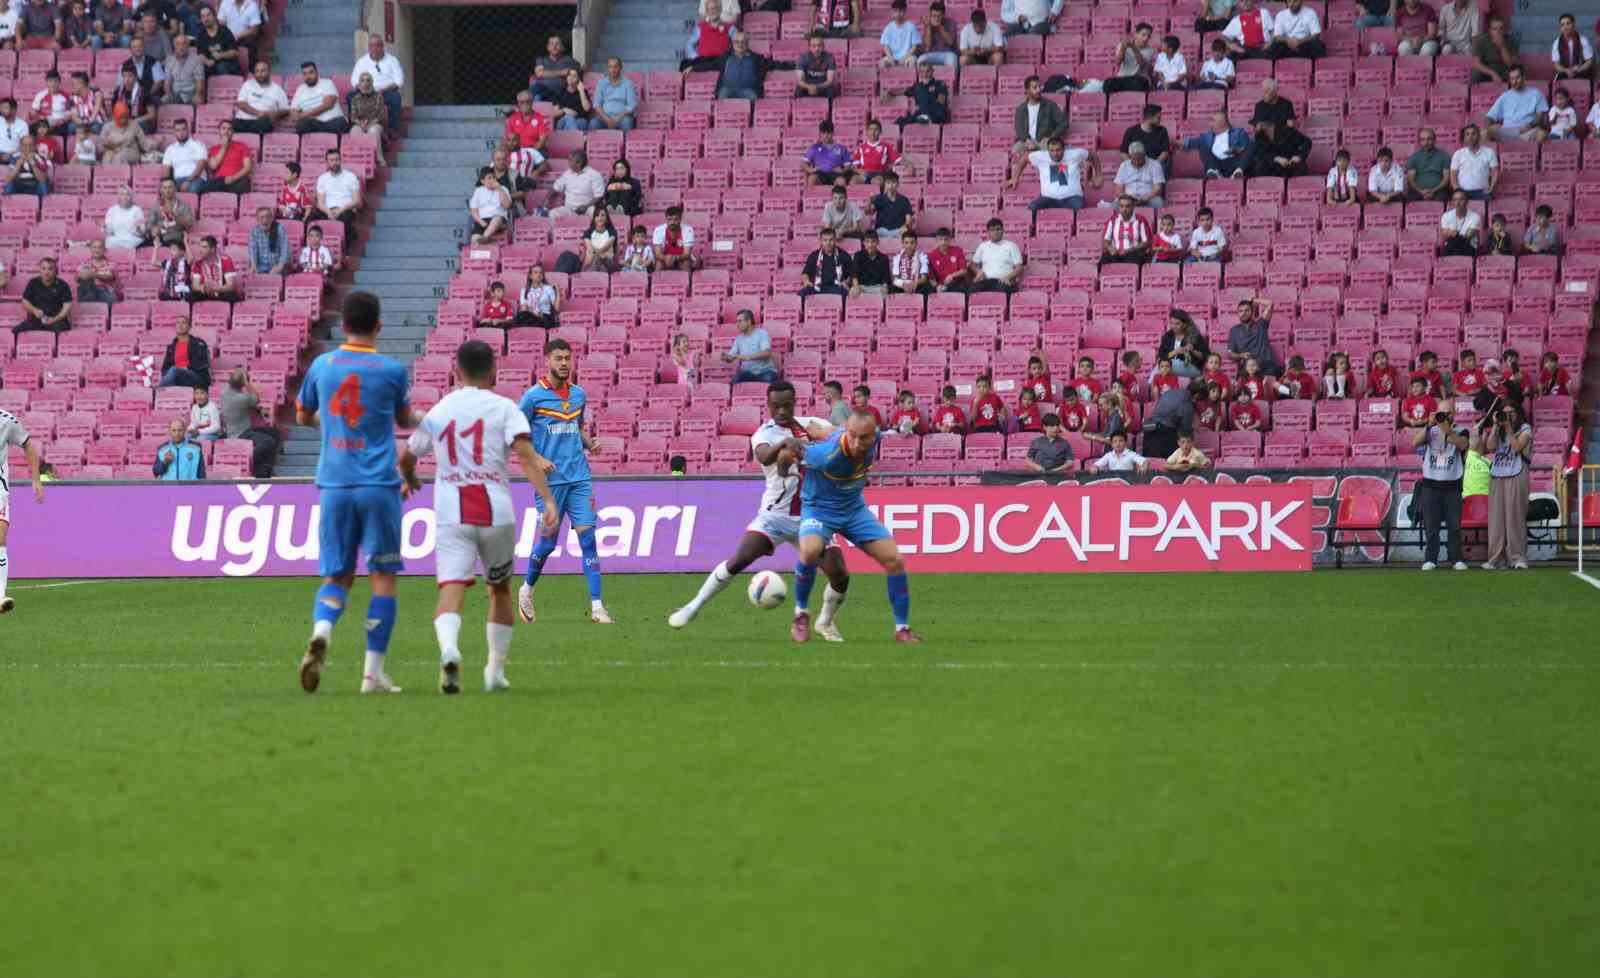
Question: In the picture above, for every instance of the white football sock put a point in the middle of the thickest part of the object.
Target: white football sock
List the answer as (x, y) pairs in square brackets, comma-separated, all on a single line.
[(595, 604), (499, 644), (831, 600), (718, 579), (447, 628), (5, 571), (374, 665), (322, 628)]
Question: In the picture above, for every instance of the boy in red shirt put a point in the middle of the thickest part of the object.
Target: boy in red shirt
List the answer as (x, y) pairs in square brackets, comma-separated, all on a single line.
[(1382, 379), (1428, 370), (1164, 379), (1511, 369), (1417, 410), (497, 311), (1213, 374), (1038, 381), (1028, 417), (1089, 389), (1469, 380), (988, 411), (1553, 379), (1300, 384), (1247, 414), (1073, 415), (862, 401), (874, 157), (1128, 377), (906, 418), (947, 264), (948, 416)]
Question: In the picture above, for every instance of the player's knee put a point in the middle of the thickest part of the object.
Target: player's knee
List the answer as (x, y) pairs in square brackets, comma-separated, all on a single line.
[(893, 563)]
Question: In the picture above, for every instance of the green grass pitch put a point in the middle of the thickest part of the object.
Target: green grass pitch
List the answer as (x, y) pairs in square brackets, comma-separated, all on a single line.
[(1357, 773)]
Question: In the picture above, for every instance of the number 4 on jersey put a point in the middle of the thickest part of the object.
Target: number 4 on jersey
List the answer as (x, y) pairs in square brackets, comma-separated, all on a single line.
[(346, 402)]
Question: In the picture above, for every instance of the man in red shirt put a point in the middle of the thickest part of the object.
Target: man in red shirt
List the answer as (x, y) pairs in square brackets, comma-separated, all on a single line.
[(1417, 410), (214, 276), (948, 416), (1383, 380), (947, 264), (228, 165), (1470, 379), (874, 156), (530, 128), (674, 243), (988, 411), (1089, 389)]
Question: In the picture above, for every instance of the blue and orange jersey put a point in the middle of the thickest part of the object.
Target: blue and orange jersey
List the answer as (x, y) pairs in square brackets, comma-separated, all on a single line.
[(555, 414), (834, 480), (357, 394)]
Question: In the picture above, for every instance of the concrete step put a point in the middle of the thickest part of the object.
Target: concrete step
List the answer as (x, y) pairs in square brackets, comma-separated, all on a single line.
[(445, 113), (420, 263), (404, 246)]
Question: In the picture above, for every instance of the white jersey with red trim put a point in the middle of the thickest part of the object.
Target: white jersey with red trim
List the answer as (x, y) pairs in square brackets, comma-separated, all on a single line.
[(473, 430), (11, 433), (782, 494)]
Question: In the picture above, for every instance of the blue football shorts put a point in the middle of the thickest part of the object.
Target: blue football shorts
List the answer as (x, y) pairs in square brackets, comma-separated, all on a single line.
[(858, 526), (364, 519), (574, 500)]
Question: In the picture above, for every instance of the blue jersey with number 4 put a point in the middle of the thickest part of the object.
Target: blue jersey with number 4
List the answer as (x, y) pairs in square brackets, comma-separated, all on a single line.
[(357, 394), (555, 414), (834, 480)]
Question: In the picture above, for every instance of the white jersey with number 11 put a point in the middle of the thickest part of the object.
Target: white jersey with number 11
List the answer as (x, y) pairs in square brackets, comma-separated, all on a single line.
[(472, 431)]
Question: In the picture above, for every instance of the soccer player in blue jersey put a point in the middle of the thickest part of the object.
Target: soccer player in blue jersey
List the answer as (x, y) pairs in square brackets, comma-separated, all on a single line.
[(554, 406), (357, 398), (832, 501)]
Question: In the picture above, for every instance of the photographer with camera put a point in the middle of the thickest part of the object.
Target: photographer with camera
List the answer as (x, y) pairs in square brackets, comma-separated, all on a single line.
[(1507, 439), (1442, 445)]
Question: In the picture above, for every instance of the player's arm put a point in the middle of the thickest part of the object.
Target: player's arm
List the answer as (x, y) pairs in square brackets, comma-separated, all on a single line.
[(590, 445), (818, 430), (305, 416), (534, 466), (32, 455)]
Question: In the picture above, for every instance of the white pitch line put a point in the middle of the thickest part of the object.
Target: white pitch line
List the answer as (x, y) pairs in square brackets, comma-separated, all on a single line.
[(42, 587), (1585, 577), (884, 666)]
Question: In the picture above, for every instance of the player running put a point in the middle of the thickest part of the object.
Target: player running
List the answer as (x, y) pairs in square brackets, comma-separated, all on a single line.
[(475, 430), (554, 409), (357, 397), (778, 520), (13, 433), (832, 501)]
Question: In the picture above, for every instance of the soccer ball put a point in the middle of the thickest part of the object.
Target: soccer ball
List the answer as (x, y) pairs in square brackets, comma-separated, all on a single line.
[(767, 590)]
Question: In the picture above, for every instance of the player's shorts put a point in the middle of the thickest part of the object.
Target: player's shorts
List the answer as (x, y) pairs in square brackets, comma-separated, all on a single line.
[(5, 506), (364, 519), (780, 528), (858, 526), (459, 550), (574, 500)]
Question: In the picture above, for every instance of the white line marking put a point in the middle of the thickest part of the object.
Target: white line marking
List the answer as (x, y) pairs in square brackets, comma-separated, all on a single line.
[(42, 587), (884, 666), (1585, 577)]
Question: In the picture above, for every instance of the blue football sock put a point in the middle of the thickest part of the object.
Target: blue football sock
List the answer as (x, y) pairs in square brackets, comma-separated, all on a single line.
[(805, 577), (541, 553), (380, 624), (329, 604), (591, 562), (900, 598)]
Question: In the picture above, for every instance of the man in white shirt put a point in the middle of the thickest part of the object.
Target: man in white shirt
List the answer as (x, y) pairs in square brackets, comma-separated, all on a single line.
[(12, 129), (1141, 178), (338, 195), (578, 188), (1297, 33), (980, 42), (1120, 459), (261, 102), (242, 18), (490, 207), (388, 76), (185, 158), (1249, 32), (1386, 183), (1029, 16), (1474, 168), (1060, 175), (1571, 53), (9, 18), (315, 104), (997, 263), (1459, 227)]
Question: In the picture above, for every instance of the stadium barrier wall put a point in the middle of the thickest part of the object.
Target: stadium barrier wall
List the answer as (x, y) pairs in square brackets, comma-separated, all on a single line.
[(243, 529)]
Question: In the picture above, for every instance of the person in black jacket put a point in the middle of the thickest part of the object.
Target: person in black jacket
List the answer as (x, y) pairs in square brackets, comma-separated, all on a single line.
[(1280, 151), (829, 269), (741, 73), (1185, 344), (188, 359), (932, 98), (623, 192)]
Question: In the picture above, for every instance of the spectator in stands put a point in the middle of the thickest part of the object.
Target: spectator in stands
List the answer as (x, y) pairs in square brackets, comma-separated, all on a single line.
[(269, 244), (1141, 177), (989, 413), (931, 98), (842, 215), (1459, 227), (909, 272), (948, 269), (1499, 240), (205, 420), (1121, 458), (339, 195), (174, 268), (1037, 119), (1297, 32), (1173, 413), (1512, 372), (1298, 383), (1519, 111), (1214, 375), (238, 403), (1210, 409), (148, 71), (1509, 441), (1553, 379), (367, 112), (1249, 32), (30, 171), (1272, 107), (1184, 344), (1338, 381), (838, 407), (1418, 407), (261, 102), (1207, 240), (1074, 416), (12, 129), (36, 27), (122, 140), (1186, 457), (86, 106), (157, 41), (871, 268), (1084, 382), (640, 256), (1542, 237), (996, 264), (315, 105), (1417, 28), (1030, 17), (50, 105), (1060, 175), (673, 242), (938, 38), (489, 207), (684, 366), (139, 102), (497, 313), (187, 361), (1225, 149), (827, 161), (213, 275), (228, 165), (1469, 378), (624, 193), (1432, 376), (1171, 68), (948, 418), (1571, 53), (1562, 119), (1217, 71), (185, 74), (1344, 182), (1028, 414), (216, 46), (1280, 151), (1127, 235), (1428, 170), (1037, 380), (1386, 183), (529, 164), (295, 200), (600, 243), (124, 221), (113, 25), (1151, 134), (184, 159), (900, 38), (97, 276), (981, 42), (1167, 245), (838, 18), (751, 352), (573, 107), (316, 258), (1246, 414), (1214, 16), (388, 77), (874, 156), (550, 69), (1049, 452), (515, 185), (1495, 52), (741, 73), (1460, 23), (529, 126), (1249, 337), (179, 460), (861, 400), (1135, 60), (243, 20), (540, 302), (890, 210), (728, 13), (579, 188), (906, 418), (829, 269), (817, 72)]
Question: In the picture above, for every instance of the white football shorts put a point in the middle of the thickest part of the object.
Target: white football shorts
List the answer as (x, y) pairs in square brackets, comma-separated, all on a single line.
[(5, 506), (459, 550), (780, 528)]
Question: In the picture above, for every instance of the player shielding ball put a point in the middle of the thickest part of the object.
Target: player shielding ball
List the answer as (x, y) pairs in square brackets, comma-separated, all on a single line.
[(833, 501), (554, 408), (778, 520), (475, 431), (13, 433), (357, 397)]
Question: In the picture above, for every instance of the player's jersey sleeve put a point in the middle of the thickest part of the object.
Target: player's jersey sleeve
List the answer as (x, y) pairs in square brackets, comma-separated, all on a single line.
[(308, 398), (421, 440), (768, 435), (402, 389), (11, 430), (514, 422)]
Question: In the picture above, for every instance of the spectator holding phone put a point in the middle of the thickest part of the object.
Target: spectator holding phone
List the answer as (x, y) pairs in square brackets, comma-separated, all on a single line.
[(1442, 445)]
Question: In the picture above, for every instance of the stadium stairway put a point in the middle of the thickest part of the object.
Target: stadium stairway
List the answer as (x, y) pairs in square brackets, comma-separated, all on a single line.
[(316, 30), (633, 32)]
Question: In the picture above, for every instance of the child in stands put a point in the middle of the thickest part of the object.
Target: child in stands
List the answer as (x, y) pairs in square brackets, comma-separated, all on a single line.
[(988, 411)]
